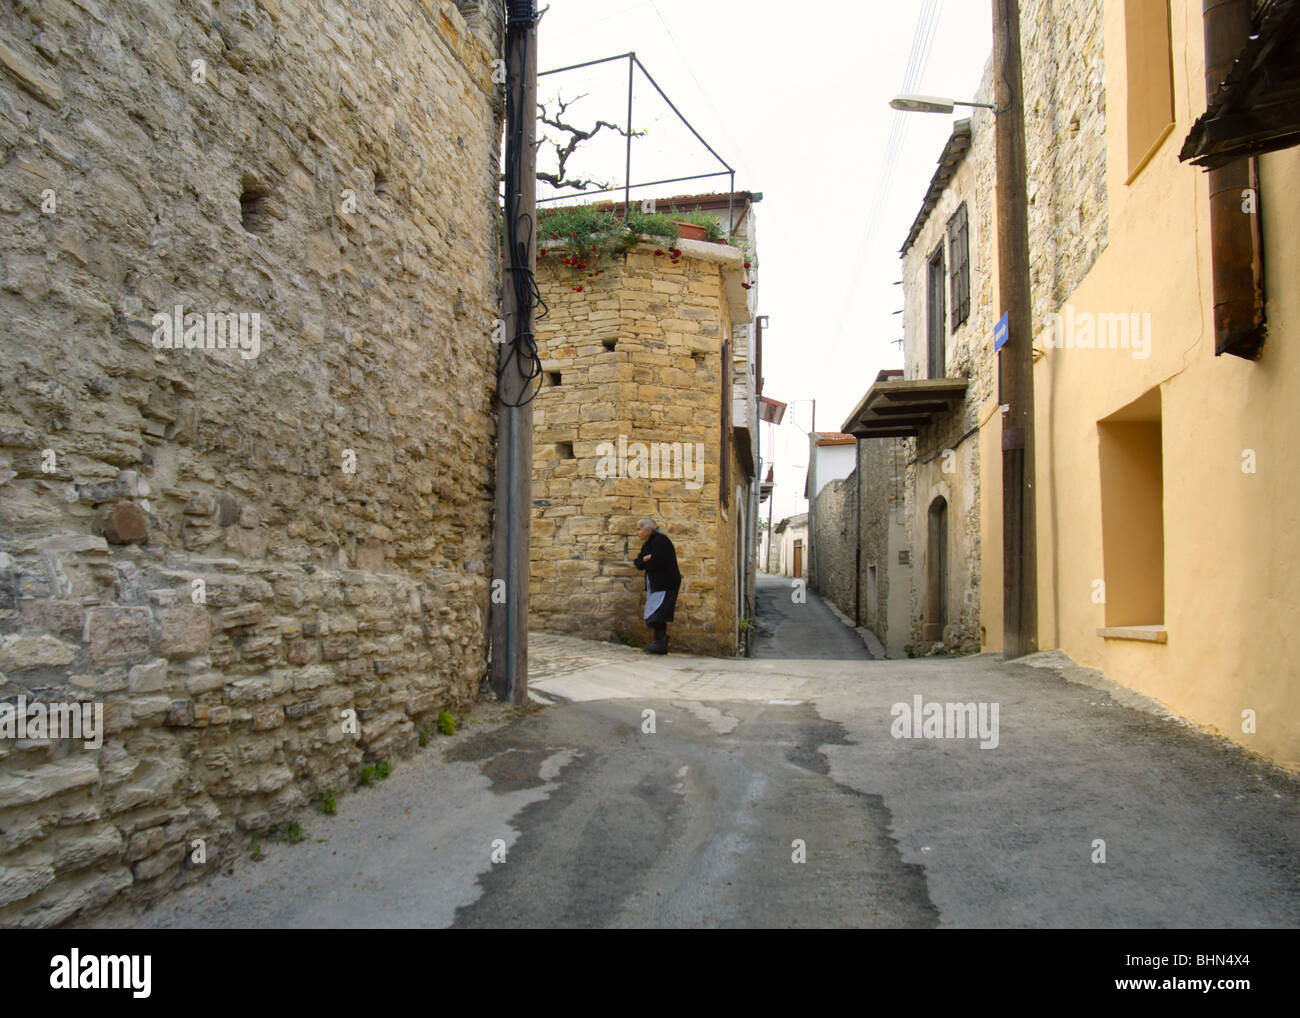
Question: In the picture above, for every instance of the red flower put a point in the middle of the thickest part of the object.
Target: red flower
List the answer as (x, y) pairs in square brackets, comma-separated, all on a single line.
[(657, 252), (578, 288), (542, 252), (593, 247), (746, 264), (573, 235), (555, 236), (566, 259), (582, 265), (745, 285)]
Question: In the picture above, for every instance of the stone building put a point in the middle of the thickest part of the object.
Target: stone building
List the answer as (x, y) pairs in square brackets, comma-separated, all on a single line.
[(862, 548), (246, 419), (945, 395), (1165, 480), (647, 408), (1161, 438), (790, 545)]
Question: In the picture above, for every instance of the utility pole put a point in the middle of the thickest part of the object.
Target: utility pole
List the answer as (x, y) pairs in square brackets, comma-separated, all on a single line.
[(516, 362), (1016, 358)]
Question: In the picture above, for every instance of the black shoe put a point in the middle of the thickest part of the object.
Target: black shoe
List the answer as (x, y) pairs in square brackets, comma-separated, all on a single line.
[(660, 646)]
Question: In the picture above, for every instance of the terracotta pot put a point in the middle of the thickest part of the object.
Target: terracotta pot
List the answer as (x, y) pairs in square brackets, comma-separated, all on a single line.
[(689, 231)]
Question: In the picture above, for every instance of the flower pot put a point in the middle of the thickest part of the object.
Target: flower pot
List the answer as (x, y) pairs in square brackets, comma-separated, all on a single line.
[(689, 231)]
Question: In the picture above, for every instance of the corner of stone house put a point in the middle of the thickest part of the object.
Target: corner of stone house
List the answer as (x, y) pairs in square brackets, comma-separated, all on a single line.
[(633, 352)]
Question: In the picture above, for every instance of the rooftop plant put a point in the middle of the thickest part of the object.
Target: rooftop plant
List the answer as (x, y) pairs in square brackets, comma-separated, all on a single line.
[(587, 237), (698, 217)]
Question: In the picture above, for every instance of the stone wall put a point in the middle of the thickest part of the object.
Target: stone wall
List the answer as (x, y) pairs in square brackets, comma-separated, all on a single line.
[(634, 357), (229, 548), (1064, 73), (835, 517), (885, 597)]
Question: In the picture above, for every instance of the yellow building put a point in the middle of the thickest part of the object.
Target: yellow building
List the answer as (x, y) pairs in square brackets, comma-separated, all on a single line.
[(1168, 502)]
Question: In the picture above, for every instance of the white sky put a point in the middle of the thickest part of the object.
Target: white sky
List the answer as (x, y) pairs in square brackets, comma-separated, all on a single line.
[(795, 97)]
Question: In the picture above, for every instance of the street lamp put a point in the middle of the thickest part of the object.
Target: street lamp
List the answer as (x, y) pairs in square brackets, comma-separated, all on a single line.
[(934, 104)]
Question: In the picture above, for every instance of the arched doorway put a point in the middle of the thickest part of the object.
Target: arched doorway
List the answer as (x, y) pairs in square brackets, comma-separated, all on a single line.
[(936, 573)]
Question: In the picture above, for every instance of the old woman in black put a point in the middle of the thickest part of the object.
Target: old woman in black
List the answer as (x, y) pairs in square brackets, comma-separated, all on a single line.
[(658, 558)]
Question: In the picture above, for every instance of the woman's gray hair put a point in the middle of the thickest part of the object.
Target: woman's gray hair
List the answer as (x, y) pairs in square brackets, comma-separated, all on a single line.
[(646, 523)]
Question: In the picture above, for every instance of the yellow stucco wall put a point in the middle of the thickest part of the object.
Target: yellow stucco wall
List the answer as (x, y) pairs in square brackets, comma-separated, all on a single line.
[(1231, 537)]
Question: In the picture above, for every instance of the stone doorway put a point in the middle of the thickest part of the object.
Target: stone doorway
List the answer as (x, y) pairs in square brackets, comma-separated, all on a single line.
[(936, 573)]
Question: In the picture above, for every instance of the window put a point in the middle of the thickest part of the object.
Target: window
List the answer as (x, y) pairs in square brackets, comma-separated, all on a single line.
[(959, 265), (937, 321), (1132, 513), (1150, 79)]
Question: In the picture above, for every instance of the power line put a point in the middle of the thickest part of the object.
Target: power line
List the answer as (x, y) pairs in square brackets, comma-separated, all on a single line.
[(607, 17), (736, 149), (923, 34)]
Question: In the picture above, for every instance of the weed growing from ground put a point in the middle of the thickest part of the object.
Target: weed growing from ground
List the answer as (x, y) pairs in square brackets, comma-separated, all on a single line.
[(326, 801)]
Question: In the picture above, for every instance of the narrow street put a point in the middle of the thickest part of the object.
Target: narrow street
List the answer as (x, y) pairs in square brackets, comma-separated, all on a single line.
[(599, 822), (787, 628)]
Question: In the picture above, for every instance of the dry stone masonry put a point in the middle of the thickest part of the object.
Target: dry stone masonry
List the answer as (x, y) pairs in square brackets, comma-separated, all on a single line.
[(635, 358), (248, 279)]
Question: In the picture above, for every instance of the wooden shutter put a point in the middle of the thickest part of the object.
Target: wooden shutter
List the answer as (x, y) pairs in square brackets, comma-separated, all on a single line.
[(959, 265)]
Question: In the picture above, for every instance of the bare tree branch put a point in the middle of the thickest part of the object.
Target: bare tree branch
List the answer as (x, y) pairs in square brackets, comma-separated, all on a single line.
[(576, 137)]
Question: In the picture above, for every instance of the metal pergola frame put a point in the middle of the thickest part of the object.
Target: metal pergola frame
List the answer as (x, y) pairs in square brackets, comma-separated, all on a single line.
[(632, 64)]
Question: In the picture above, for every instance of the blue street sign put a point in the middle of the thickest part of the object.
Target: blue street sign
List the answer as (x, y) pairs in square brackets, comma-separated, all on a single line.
[(1000, 334)]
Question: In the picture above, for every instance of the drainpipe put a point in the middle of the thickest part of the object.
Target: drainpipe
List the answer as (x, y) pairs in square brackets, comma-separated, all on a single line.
[(1235, 242), (857, 538)]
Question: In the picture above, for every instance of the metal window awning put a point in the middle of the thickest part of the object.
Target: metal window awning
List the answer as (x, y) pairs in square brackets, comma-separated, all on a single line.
[(1257, 107), (770, 410), (899, 408)]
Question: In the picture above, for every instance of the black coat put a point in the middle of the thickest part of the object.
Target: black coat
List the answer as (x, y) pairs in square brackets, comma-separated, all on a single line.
[(662, 567)]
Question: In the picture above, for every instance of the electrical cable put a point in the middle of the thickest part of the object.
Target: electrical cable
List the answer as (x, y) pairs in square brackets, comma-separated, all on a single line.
[(704, 93), (951, 448), (923, 34), (518, 236)]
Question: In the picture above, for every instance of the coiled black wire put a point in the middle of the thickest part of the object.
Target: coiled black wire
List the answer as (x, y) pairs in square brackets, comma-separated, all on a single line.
[(518, 236)]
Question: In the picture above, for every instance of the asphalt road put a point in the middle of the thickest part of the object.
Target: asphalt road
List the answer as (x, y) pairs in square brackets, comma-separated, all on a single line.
[(575, 815)]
